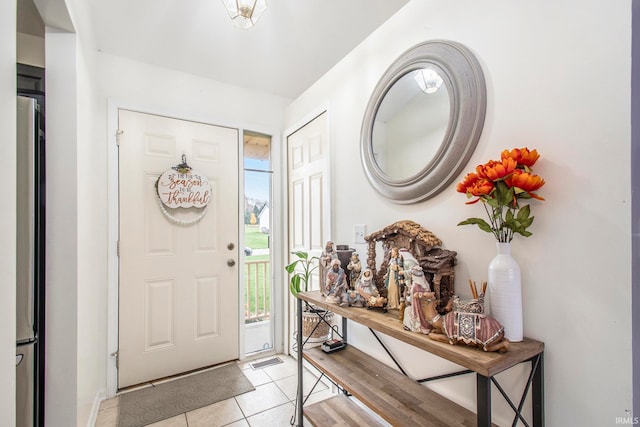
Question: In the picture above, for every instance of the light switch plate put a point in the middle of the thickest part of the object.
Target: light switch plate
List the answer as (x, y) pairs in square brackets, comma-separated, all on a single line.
[(359, 231)]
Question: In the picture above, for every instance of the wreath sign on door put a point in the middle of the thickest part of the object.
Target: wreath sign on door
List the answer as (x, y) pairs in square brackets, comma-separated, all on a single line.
[(181, 187)]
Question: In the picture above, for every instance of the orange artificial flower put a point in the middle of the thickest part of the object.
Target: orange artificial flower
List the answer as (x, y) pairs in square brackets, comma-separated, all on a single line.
[(522, 156), (494, 170), (501, 185), (473, 185), (526, 182), (467, 182)]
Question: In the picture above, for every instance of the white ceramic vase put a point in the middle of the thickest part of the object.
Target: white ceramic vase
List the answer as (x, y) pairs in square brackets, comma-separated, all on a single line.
[(505, 292)]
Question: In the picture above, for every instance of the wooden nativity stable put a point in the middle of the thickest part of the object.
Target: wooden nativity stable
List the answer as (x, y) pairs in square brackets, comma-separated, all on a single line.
[(437, 263)]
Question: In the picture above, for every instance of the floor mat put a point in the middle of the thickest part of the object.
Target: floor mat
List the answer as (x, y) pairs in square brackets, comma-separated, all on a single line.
[(166, 400)]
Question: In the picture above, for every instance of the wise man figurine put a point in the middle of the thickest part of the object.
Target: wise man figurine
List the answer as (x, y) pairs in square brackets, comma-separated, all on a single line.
[(327, 256), (414, 317), (335, 285)]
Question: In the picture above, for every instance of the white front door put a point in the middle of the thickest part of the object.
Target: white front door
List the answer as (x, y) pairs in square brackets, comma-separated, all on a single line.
[(178, 276)]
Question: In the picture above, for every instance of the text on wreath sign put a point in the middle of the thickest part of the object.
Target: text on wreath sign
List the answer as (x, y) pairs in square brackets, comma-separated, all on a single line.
[(183, 190)]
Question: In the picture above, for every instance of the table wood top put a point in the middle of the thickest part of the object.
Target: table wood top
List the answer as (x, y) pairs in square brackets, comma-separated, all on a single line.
[(475, 359)]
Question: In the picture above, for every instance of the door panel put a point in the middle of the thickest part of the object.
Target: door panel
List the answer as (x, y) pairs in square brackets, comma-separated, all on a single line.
[(307, 186), (316, 208), (178, 297)]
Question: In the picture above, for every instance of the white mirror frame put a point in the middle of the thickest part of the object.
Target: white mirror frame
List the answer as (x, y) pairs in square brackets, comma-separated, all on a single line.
[(463, 76)]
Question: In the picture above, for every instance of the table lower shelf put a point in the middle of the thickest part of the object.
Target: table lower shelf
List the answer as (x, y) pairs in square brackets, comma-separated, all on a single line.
[(339, 411), (397, 398)]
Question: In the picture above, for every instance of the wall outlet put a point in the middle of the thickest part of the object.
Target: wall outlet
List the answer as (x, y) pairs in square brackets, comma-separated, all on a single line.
[(359, 231)]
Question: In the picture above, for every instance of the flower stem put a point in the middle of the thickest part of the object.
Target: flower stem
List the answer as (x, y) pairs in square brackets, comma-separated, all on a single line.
[(495, 228)]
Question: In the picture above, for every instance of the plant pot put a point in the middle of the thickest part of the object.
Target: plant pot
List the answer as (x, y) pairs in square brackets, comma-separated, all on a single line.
[(310, 319)]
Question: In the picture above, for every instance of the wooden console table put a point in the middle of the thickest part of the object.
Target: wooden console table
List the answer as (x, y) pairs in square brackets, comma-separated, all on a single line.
[(398, 399)]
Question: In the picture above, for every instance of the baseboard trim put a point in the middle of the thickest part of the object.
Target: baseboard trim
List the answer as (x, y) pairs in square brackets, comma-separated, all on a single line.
[(95, 408)]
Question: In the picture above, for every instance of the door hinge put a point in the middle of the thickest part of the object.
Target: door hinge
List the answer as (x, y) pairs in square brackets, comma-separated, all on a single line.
[(118, 133), (116, 354), (118, 248)]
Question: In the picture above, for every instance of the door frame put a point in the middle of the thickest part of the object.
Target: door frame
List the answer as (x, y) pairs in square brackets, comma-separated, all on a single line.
[(113, 106)]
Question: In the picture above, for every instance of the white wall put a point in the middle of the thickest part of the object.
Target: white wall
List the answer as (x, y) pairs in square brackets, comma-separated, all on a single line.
[(558, 79), (92, 247), (75, 344), (7, 214), (61, 371), (133, 84)]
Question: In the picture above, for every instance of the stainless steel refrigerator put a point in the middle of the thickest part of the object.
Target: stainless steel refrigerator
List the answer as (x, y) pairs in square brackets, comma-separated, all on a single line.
[(27, 261)]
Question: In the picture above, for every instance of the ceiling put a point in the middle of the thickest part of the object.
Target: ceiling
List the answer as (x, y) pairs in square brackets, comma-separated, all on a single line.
[(293, 44)]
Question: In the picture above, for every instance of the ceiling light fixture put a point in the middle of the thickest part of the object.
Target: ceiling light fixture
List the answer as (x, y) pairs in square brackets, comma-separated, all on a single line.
[(245, 13), (428, 80)]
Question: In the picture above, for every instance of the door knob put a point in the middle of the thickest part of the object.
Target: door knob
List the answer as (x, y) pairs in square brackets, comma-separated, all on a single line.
[(231, 262), (230, 246)]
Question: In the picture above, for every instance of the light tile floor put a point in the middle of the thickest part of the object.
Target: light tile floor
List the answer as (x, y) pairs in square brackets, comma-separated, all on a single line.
[(271, 404)]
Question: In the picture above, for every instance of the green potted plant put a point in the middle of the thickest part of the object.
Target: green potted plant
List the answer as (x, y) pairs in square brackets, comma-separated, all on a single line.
[(299, 279), (300, 274)]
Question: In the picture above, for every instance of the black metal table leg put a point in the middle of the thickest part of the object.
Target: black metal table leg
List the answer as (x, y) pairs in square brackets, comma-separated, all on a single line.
[(538, 391), (344, 329), (300, 348), (483, 399)]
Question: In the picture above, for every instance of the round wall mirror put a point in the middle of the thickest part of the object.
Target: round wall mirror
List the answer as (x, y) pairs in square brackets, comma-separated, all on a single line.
[(423, 121)]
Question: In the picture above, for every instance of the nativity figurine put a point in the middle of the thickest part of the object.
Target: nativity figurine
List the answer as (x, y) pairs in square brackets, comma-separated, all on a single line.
[(473, 329), (394, 279), (335, 285), (355, 268), (414, 318), (326, 257), (368, 291)]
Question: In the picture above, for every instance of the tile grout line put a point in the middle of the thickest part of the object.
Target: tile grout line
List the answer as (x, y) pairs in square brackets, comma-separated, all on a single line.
[(244, 416)]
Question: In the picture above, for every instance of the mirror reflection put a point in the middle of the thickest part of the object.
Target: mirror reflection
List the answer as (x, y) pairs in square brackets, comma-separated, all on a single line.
[(410, 124)]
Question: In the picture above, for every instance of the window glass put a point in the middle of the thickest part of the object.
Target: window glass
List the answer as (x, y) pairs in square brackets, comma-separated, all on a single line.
[(259, 331)]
